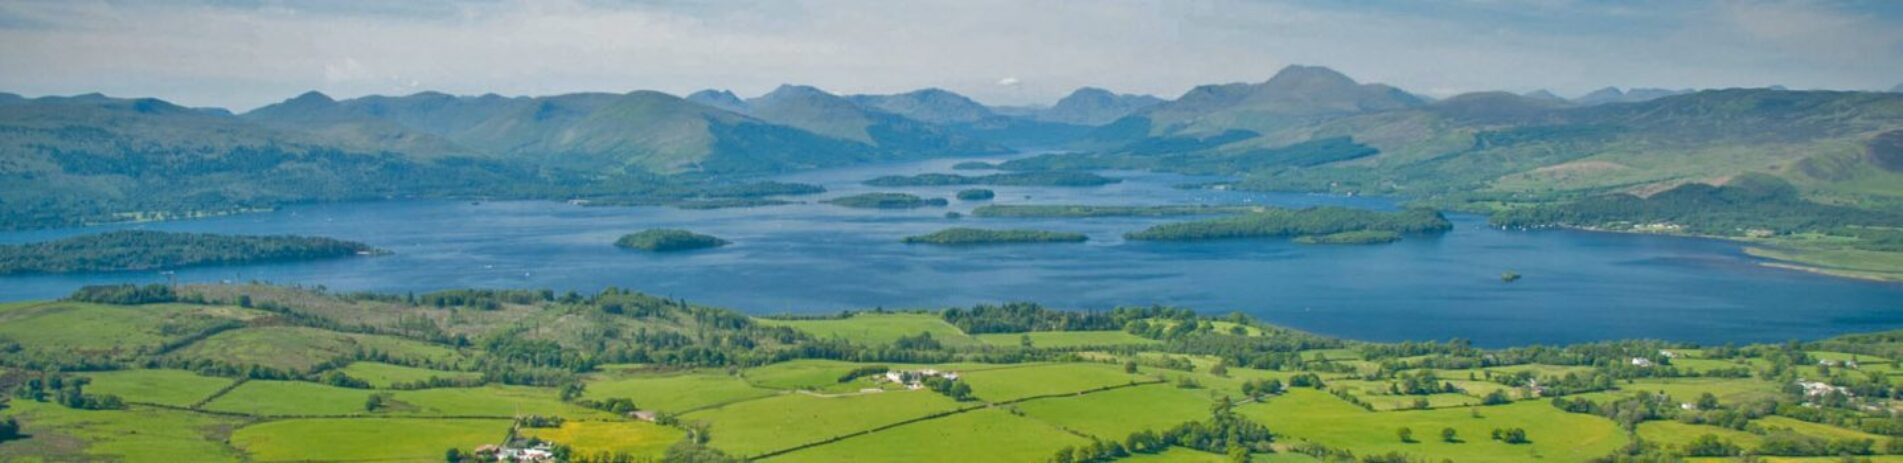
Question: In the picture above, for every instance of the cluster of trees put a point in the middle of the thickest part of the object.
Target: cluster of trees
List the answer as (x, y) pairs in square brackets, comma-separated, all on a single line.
[(66, 390), (887, 201), (1510, 435), (1044, 178), (485, 299), (965, 236), (1423, 383), (124, 294), (1223, 433), (150, 250), (955, 389), (668, 239), (1753, 202), (1270, 223), (976, 194), (1019, 317)]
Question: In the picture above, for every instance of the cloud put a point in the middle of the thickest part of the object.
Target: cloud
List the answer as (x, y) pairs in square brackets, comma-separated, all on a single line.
[(245, 53), (1009, 82)]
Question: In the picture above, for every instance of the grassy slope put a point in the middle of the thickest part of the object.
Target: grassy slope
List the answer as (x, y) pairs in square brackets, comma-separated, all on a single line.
[(1557, 436), (984, 435), (164, 387), (880, 328), (757, 426), (387, 439)]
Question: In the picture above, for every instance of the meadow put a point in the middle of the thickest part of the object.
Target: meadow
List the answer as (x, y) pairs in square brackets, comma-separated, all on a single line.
[(316, 394)]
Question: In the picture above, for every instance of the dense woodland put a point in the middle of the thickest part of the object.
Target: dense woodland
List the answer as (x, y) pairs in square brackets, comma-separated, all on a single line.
[(133, 250), (1298, 222), (667, 239)]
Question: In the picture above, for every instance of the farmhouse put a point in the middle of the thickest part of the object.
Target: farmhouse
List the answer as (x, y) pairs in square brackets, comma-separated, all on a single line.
[(915, 379), (1641, 362), (540, 452), (1819, 389)]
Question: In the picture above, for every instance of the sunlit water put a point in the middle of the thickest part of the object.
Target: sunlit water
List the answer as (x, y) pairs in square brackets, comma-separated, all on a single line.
[(1578, 286)]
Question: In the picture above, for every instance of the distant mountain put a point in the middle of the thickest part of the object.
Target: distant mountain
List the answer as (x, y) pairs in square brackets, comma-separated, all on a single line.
[(932, 105), (1897, 89), (823, 113), (352, 126), (1544, 95), (719, 99), (1614, 95), (1095, 106), (1296, 95)]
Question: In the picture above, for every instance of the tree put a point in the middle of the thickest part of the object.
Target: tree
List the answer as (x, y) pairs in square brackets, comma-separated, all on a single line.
[(1221, 368), (453, 455), (1707, 401), (1406, 435), (374, 403), (1449, 435), (1238, 454), (9, 429), (1130, 367)]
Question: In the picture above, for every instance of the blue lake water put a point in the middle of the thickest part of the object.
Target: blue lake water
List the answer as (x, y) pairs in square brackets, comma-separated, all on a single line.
[(1578, 286)]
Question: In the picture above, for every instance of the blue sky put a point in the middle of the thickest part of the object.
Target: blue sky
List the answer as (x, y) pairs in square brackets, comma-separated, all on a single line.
[(245, 53)]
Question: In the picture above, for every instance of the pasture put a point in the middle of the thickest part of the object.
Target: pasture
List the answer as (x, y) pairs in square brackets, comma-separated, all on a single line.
[(1007, 384), (364, 439), (1066, 339), (176, 388), (1556, 435), (981, 435), (589, 438), (879, 328), (1114, 414), (678, 392), (382, 375), (757, 426)]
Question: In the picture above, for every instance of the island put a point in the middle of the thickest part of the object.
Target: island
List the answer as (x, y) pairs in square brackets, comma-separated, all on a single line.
[(1084, 211), (974, 165), (730, 203), (668, 239), (1315, 221), (1351, 237), (138, 250), (976, 194), (1060, 179), (886, 201), (970, 236)]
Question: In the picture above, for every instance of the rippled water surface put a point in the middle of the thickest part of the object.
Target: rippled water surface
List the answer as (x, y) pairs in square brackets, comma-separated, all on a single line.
[(817, 258)]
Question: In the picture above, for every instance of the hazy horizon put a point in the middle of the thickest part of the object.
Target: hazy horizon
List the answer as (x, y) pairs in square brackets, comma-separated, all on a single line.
[(244, 54)]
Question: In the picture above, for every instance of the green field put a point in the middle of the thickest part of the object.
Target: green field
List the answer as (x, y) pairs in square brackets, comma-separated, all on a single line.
[(758, 426), (164, 387), (135, 435), (82, 326), (1676, 434), (800, 374), (677, 393), (1555, 435), (365, 439), (1116, 413), (876, 328), (382, 375), (291, 398), (634, 438), (983, 435), (300, 348), (1061, 339), (1006, 384)]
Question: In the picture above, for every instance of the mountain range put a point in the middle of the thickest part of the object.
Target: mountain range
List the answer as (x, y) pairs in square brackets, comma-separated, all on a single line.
[(1305, 128)]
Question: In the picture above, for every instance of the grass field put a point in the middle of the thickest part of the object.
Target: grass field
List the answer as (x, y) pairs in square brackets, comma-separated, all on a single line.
[(365, 439), (177, 388), (382, 375), (800, 374), (493, 400), (276, 398), (138, 434), (634, 438), (674, 392), (1676, 434), (100, 328), (870, 328), (1556, 436), (1114, 414), (1729, 391), (1016, 383), (982, 435), (1059, 339), (757, 426), (300, 348), (1815, 430)]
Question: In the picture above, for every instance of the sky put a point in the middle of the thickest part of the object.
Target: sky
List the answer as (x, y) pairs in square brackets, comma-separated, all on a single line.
[(241, 54)]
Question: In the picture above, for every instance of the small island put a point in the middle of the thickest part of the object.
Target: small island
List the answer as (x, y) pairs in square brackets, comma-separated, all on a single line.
[(137, 250), (730, 203), (1317, 222), (886, 201), (1062, 179), (969, 236), (976, 194), (1351, 237), (1085, 211), (974, 165), (668, 239)]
